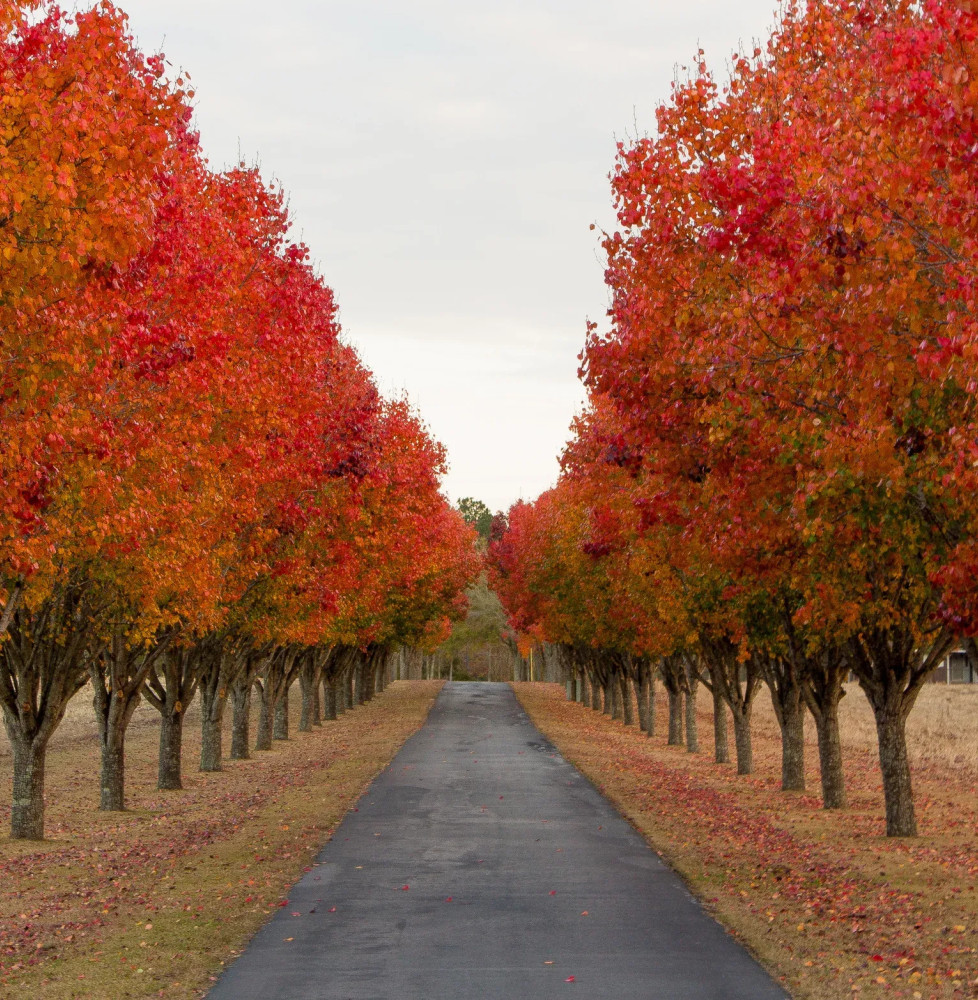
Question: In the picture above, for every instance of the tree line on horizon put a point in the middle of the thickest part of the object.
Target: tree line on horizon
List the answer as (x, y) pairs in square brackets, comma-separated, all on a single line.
[(774, 481), (203, 492)]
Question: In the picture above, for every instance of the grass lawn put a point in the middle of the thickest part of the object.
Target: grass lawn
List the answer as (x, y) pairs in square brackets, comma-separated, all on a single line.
[(830, 905), (153, 901)]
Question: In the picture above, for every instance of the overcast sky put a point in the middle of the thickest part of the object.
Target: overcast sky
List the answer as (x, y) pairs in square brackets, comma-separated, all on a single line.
[(445, 160)]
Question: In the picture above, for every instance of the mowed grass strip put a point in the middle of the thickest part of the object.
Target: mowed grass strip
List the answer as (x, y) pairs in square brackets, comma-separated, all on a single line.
[(152, 902), (832, 907)]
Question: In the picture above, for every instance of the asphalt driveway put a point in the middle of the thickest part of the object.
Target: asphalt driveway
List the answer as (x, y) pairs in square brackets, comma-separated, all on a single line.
[(480, 866)]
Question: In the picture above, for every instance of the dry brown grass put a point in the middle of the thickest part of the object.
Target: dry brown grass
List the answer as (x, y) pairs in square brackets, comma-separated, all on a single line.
[(151, 902), (942, 729), (825, 900)]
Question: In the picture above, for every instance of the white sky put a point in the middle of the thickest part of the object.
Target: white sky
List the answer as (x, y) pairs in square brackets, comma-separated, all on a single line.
[(445, 159)]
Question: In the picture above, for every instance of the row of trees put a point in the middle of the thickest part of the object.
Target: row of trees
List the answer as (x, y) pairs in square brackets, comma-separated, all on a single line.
[(201, 490), (774, 481)]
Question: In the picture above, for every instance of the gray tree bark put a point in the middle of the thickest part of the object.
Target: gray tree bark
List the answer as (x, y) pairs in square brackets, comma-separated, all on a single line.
[(170, 688), (329, 700), (241, 715), (310, 675), (169, 771), (891, 665), (721, 744), (43, 665), (225, 660), (673, 673), (358, 692), (625, 697), (117, 675), (689, 695), (641, 682), (784, 682), (27, 815), (280, 730), (738, 685), (822, 684), (830, 757), (742, 738), (275, 676)]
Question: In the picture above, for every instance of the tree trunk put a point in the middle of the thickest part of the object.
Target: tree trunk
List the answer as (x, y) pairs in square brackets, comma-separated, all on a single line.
[(329, 699), (56, 634), (892, 665), (692, 732), (273, 680), (170, 688), (241, 719), (609, 697), (595, 693), (223, 668), (793, 747), (673, 671), (317, 705), (211, 726), (616, 705), (628, 711), (281, 728), (263, 738), (650, 679), (640, 683), (830, 757), (742, 739), (112, 784), (309, 676), (823, 677), (27, 814), (738, 685), (117, 675), (113, 710), (211, 742), (901, 819), (675, 718), (783, 678), (169, 772), (721, 745)]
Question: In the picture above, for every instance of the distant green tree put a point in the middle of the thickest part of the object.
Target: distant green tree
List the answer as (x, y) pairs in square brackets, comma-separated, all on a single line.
[(478, 515), (484, 633)]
